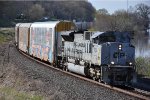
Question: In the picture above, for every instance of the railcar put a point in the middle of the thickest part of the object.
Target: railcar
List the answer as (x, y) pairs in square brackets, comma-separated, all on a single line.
[(41, 39)]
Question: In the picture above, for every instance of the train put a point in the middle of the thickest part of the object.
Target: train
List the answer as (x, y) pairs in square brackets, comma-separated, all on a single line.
[(107, 57)]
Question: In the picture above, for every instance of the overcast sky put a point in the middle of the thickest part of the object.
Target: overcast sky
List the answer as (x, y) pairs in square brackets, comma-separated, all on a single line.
[(112, 5)]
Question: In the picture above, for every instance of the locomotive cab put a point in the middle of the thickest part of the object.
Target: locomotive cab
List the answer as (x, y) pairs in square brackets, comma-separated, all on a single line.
[(117, 57)]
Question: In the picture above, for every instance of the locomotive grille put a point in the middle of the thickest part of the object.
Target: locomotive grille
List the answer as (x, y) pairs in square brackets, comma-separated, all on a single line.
[(120, 77)]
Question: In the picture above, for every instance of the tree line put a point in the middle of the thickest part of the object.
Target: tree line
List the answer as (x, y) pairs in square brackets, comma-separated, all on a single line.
[(135, 18), (36, 10)]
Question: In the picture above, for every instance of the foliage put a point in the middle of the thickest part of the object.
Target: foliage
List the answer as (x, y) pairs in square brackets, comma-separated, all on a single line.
[(13, 94), (6, 34), (119, 21), (143, 12), (35, 10), (102, 11), (135, 19), (143, 66)]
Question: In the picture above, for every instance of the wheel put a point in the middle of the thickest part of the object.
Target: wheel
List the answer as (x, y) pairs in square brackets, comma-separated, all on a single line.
[(94, 78), (66, 69), (99, 80)]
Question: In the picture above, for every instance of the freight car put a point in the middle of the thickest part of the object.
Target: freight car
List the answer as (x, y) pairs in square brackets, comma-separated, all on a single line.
[(104, 56), (41, 39)]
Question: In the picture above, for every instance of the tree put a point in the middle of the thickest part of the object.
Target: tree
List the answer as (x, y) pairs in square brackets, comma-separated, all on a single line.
[(143, 13), (119, 21), (36, 12), (123, 20), (135, 19), (102, 11)]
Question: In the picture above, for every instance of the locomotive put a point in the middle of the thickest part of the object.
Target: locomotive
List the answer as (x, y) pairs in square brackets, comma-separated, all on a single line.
[(107, 57), (103, 56)]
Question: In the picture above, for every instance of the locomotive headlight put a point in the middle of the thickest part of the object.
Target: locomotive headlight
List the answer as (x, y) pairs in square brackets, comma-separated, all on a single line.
[(120, 47), (112, 62), (130, 63)]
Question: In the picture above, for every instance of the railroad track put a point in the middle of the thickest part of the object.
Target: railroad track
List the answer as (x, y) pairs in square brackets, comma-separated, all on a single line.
[(132, 93)]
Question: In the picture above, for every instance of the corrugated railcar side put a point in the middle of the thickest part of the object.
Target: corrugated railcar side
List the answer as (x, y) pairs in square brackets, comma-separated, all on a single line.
[(45, 39), (17, 34), (24, 33)]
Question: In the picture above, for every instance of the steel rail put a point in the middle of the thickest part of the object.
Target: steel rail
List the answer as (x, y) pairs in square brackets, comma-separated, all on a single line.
[(129, 93)]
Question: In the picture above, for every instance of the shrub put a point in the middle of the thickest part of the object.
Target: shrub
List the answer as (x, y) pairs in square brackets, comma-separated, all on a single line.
[(143, 66)]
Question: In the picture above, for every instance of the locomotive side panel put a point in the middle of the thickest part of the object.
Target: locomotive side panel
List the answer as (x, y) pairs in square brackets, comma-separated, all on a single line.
[(96, 55), (80, 49), (69, 49), (130, 50), (87, 51)]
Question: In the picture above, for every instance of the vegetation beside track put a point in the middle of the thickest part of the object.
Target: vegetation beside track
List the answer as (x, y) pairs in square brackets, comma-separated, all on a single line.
[(6, 34), (12, 94), (143, 66)]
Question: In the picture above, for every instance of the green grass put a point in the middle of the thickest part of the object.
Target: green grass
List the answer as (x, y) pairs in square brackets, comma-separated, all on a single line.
[(6, 34), (11, 94), (143, 66)]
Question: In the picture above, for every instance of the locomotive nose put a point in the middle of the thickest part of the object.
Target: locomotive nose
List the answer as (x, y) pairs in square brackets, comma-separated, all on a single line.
[(121, 54)]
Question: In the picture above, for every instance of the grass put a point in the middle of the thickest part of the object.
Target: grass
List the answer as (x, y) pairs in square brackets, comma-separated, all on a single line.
[(7, 93), (6, 34), (143, 66)]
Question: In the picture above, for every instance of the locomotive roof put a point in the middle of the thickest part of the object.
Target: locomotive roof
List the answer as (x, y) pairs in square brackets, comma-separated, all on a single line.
[(117, 36), (96, 34)]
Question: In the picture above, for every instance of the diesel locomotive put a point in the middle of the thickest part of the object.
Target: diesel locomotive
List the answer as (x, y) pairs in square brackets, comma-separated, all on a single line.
[(107, 57), (104, 56)]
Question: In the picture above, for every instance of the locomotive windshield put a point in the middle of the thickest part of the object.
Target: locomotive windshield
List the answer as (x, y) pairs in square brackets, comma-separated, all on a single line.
[(123, 37), (109, 38)]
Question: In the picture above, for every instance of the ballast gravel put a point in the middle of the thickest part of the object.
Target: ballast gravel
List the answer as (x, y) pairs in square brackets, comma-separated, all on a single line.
[(52, 84)]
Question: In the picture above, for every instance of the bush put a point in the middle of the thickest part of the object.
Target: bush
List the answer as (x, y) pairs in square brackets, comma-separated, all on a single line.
[(143, 66), (8, 93), (6, 34)]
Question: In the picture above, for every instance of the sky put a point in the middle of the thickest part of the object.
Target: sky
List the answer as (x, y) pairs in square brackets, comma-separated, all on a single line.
[(113, 5)]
